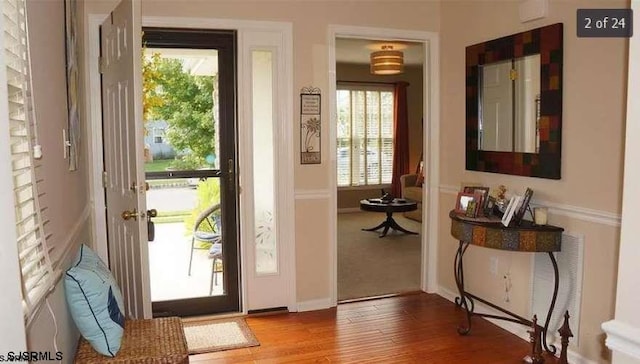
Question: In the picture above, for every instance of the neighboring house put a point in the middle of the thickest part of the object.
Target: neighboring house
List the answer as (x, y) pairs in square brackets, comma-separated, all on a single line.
[(155, 139), (587, 200)]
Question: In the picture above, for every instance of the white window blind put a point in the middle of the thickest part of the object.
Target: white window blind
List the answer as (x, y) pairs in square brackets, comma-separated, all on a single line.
[(35, 264), (364, 135)]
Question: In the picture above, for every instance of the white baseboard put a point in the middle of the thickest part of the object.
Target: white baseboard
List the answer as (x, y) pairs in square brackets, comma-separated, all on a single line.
[(312, 305), (623, 338), (516, 329)]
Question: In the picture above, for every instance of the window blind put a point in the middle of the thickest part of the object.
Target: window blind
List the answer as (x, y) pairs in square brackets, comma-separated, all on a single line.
[(35, 263), (364, 135)]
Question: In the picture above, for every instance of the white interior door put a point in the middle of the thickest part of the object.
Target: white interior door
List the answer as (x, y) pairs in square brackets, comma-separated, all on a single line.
[(497, 106), (121, 52), (266, 169)]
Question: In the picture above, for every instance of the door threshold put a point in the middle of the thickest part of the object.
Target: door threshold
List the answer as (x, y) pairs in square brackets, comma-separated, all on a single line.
[(371, 298), (213, 317)]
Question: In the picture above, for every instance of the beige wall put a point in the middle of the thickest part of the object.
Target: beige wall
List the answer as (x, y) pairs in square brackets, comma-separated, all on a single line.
[(413, 75), (65, 192), (594, 79), (593, 120), (310, 21)]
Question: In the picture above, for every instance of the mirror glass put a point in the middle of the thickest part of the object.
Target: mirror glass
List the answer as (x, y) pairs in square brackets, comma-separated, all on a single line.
[(513, 94), (509, 105)]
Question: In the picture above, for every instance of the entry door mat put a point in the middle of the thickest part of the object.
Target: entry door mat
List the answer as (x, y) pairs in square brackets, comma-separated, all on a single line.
[(218, 335)]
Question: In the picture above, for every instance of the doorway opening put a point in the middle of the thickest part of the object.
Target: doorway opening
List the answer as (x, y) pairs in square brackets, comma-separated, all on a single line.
[(378, 255), (189, 110)]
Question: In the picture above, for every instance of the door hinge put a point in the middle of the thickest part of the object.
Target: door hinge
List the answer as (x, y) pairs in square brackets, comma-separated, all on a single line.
[(101, 64), (104, 179), (513, 75)]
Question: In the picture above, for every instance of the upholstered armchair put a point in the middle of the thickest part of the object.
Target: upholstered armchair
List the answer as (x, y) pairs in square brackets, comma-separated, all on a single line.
[(411, 191)]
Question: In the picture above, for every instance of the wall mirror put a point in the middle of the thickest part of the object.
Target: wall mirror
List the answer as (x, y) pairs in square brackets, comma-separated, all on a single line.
[(514, 104)]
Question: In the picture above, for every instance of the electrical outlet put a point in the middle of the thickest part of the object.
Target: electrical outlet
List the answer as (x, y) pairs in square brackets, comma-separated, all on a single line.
[(493, 265)]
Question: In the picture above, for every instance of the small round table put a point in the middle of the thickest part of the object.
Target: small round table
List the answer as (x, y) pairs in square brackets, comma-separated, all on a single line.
[(396, 205)]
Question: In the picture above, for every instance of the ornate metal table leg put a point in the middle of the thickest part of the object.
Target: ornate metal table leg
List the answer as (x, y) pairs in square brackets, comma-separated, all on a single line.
[(551, 348), (459, 276)]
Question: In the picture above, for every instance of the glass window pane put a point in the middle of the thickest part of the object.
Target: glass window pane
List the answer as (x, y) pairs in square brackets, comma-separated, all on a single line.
[(180, 109), (266, 250), (364, 136)]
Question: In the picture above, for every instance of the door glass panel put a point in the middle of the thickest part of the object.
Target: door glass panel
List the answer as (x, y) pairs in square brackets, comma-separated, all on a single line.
[(186, 258), (266, 251), (188, 239), (181, 109)]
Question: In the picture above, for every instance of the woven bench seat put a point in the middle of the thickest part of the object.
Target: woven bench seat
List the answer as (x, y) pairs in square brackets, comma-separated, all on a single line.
[(159, 340)]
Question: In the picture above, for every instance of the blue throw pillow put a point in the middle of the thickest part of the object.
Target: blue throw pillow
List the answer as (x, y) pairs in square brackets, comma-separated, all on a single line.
[(95, 302)]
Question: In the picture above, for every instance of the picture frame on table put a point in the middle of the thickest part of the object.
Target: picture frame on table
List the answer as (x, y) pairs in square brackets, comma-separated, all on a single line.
[(468, 204), (523, 206), (484, 197), (514, 202), (462, 202)]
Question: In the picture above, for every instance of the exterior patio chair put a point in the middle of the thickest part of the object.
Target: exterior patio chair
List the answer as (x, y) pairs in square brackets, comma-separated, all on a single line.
[(215, 253), (214, 236)]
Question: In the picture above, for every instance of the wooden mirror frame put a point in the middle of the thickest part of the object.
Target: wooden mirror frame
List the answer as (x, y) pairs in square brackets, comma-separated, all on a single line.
[(548, 42)]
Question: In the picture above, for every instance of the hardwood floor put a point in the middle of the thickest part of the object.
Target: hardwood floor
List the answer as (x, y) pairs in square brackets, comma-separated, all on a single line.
[(419, 328)]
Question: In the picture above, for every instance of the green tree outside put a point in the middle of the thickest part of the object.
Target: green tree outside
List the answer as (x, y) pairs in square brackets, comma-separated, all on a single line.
[(186, 103)]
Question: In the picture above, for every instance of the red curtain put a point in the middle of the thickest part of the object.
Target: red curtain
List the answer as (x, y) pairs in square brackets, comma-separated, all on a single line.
[(400, 137)]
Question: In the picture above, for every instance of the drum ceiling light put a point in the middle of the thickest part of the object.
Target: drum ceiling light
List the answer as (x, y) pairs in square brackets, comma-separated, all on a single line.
[(387, 61)]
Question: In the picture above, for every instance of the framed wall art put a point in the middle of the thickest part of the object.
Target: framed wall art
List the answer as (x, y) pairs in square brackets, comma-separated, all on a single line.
[(310, 125)]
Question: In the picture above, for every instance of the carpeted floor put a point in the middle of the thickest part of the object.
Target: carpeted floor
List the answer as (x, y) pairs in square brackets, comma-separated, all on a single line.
[(371, 266)]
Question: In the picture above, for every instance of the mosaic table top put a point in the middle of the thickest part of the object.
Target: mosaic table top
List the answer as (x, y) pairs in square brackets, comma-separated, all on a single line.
[(490, 233)]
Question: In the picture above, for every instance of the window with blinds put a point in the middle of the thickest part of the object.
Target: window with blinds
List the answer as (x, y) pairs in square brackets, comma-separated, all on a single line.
[(35, 264), (364, 135)]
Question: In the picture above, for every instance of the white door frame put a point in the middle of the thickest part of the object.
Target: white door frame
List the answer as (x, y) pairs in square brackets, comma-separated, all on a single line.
[(431, 145), (93, 113)]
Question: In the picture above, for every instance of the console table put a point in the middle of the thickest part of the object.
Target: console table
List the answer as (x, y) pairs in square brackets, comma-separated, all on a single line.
[(489, 232)]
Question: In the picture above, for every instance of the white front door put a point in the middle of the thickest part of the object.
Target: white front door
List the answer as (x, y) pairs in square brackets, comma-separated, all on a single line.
[(121, 52), (497, 115), (266, 169)]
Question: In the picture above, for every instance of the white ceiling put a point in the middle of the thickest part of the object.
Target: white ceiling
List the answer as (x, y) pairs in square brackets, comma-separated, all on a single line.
[(350, 50)]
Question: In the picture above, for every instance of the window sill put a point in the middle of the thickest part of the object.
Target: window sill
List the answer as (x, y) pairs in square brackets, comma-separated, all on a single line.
[(365, 187)]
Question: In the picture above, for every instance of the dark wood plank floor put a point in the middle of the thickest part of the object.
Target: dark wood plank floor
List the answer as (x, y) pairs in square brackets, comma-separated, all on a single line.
[(419, 328)]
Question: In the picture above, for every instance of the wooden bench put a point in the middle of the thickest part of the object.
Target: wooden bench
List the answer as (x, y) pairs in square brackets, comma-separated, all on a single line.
[(159, 340)]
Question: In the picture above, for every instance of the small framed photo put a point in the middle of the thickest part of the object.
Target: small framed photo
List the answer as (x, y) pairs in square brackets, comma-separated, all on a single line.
[(489, 205), (462, 202), (523, 207), (484, 196), (510, 210), (468, 204), (472, 208)]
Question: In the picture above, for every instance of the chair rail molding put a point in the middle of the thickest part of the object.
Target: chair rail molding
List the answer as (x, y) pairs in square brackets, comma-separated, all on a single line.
[(311, 194), (575, 212)]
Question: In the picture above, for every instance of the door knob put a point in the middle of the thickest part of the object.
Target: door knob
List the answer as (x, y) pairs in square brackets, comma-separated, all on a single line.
[(133, 214), (152, 213)]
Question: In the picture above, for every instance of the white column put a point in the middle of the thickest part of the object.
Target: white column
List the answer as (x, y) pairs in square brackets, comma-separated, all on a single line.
[(623, 332)]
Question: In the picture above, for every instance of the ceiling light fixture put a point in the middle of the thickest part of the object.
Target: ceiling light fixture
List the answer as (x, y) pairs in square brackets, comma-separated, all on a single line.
[(387, 61)]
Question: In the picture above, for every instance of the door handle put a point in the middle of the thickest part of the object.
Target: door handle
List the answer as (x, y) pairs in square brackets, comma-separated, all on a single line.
[(151, 228), (152, 213), (133, 214)]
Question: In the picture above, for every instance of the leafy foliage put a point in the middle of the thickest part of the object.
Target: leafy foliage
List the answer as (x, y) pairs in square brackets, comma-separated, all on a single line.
[(150, 77), (186, 102)]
